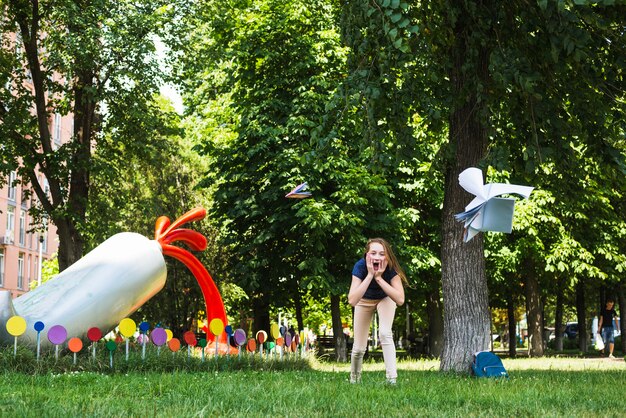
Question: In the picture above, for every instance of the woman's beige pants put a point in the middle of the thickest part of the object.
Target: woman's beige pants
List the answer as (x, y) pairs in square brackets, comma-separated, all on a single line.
[(363, 313)]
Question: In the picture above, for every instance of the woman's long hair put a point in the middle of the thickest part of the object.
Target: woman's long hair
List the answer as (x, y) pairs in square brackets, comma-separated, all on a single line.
[(392, 261)]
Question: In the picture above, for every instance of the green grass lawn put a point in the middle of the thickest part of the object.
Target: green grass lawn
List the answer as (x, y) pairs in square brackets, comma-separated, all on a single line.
[(537, 387)]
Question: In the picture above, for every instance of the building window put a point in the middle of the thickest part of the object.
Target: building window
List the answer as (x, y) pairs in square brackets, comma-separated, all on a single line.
[(20, 271), (12, 186), (56, 131), (10, 221), (1, 268), (22, 227), (44, 243), (29, 270)]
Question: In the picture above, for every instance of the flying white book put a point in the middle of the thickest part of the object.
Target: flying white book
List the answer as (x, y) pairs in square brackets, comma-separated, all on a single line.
[(487, 211), (299, 192)]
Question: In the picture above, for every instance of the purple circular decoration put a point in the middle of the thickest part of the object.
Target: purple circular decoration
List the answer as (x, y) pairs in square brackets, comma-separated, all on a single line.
[(240, 337), (144, 326), (228, 330), (57, 334), (288, 339), (39, 326), (158, 336)]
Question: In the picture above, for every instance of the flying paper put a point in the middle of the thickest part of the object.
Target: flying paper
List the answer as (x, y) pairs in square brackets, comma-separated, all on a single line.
[(299, 192), (487, 212)]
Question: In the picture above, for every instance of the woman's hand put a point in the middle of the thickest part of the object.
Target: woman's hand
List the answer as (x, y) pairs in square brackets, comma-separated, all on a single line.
[(375, 267)]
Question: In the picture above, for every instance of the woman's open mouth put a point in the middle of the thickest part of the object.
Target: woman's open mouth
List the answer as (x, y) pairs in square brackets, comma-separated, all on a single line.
[(376, 265)]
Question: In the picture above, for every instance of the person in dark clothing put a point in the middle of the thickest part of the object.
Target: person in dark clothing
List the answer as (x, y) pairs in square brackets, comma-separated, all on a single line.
[(605, 325)]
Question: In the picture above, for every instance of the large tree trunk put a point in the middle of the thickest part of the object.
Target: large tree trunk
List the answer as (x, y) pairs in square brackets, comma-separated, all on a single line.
[(66, 210), (340, 338), (510, 310), (581, 316), (558, 320), (533, 312), (622, 315), (260, 307), (435, 323), (464, 284)]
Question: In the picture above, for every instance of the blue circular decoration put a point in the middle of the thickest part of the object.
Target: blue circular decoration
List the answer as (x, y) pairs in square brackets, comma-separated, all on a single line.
[(229, 330), (39, 326), (144, 326)]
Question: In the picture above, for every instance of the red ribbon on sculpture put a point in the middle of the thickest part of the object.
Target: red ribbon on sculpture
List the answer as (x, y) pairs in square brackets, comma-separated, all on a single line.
[(166, 234)]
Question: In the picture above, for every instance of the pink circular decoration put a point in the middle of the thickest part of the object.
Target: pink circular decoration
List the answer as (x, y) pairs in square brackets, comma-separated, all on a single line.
[(158, 336), (57, 334)]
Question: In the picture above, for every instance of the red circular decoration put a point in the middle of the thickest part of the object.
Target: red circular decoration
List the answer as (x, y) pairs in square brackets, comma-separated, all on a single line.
[(190, 338)]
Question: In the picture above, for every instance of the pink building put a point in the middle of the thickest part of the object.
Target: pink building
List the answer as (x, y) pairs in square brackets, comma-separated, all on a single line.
[(20, 249)]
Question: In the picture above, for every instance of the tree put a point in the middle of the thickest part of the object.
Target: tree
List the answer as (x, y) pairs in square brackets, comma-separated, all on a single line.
[(93, 60)]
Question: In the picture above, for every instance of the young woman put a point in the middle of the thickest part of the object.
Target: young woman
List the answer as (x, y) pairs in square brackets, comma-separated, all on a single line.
[(377, 284)]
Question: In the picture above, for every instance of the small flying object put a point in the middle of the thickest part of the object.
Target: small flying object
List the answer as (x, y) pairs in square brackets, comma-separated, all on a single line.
[(299, 192)]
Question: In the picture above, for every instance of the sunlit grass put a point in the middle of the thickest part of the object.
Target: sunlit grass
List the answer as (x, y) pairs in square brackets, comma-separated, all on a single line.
[(537, 387)]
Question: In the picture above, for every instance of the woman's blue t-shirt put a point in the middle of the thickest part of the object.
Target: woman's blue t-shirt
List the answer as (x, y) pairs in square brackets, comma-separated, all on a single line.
[(374, 291)]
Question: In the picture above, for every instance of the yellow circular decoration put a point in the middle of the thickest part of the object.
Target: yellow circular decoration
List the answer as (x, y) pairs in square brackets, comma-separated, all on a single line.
[(216, 326), (127, 327), (16, 325), (169, 334), (275, 331)]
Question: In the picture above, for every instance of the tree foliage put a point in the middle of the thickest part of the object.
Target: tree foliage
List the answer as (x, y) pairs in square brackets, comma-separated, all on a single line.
[(94, 61)]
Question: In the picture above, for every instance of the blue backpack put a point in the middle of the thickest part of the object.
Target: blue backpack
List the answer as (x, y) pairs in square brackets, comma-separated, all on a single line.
[(487, 364)]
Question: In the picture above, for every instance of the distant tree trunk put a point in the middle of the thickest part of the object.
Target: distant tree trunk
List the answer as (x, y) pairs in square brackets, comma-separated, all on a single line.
[(260, 307), (622, 314), (533, 311), (558, 316), (581, 316), (340, 338), (435, 323), (510, 310), (465, 296)]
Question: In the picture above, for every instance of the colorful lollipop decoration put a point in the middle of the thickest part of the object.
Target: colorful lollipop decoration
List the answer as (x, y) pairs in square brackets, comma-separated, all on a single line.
[(228, 329), (75, 344), (240, 338), (16, 326), (190, 339), (111, 347), (275, 333), (217, 328), (202, 343), (57, 336), (174, 345), (261, 337), (127, 329), (94, 334), (158, 337), (251, 346), (39, 326), (143, 329)]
